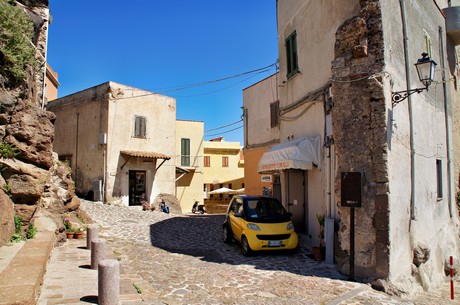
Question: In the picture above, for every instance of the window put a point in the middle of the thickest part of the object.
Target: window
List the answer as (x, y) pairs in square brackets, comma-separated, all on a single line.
[(291, 55), (274, 111), (207, 161), (140, 126), (439, 177), (185, 152), (224, 161), (427, 42)]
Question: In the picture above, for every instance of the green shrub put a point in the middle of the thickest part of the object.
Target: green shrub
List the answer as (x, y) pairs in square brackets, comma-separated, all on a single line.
[(15, 238), (31, 231), (8, 150), (18, 222), (16, 33)]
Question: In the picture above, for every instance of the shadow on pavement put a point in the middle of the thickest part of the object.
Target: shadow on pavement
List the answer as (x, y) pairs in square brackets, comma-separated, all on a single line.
[(201, 236)]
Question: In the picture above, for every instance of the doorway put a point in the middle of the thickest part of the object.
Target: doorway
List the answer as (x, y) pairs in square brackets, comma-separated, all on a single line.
[(136, 186), (296, 194)]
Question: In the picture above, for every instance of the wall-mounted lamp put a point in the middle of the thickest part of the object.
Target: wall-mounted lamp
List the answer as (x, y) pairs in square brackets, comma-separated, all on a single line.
[(425, 70)]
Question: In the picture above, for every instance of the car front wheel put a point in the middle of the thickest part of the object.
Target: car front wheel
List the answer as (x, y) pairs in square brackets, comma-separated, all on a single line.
[(227, 234), (245, 248)]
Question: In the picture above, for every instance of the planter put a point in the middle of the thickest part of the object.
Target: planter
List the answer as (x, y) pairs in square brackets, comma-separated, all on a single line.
[(317, 253), (78, 235), (69, 234)]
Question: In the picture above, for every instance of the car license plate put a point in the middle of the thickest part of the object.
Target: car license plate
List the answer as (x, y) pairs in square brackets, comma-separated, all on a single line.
[(274, 243)]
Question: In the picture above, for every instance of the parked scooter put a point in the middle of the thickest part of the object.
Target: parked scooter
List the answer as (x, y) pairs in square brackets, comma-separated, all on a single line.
[(199, 208)]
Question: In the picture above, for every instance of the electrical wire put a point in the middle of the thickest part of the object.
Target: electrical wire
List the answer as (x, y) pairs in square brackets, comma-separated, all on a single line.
[(255, 72), (223, 132), (223, 126), (218, 90), (217, 80)]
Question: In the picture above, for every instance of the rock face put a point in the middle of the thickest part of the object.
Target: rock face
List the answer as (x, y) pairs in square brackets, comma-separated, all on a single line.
[(6, 217), (32, 178)]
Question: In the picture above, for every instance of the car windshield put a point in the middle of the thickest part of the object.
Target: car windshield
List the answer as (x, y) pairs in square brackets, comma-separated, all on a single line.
[(265, 210)]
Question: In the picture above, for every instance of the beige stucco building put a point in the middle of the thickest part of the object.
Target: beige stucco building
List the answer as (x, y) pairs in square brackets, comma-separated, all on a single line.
[(119, 141), (261, 106), (223, 166), (341, 65), (189, 161), (51, 84)]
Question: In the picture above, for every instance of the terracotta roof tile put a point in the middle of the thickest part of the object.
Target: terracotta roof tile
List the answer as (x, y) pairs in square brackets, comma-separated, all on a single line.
[(145, 154)]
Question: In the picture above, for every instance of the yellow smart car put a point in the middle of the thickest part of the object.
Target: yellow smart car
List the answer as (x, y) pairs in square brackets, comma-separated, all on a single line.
[(259, 223)]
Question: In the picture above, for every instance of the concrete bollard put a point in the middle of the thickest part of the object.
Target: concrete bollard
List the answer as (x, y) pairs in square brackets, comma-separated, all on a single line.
[(98, 251), (108, 282), (91, 234)]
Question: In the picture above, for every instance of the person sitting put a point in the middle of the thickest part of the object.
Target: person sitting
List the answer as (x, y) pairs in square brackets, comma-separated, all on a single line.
[(163, 207), (145, 204)]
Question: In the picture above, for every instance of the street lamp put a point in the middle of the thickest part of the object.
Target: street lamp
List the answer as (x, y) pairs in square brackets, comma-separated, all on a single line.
[(425, 69)]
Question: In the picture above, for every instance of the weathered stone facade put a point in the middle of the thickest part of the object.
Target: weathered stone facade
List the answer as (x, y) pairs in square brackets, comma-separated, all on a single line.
[(359, 106), (365, 51)]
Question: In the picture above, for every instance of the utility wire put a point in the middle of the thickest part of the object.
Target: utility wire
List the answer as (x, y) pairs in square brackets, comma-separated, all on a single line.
[(257, 71), (222, 89), (218, 134), (218, 80), (223, 126)]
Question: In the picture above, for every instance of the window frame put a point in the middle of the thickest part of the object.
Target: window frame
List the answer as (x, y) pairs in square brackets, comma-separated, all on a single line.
[(439, 186), (207, 161), (274, 114), (292, 63), (140, 127), (185, 152), (224, 161)]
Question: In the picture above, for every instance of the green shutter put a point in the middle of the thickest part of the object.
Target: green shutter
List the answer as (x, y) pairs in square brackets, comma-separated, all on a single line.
[(185, 152)]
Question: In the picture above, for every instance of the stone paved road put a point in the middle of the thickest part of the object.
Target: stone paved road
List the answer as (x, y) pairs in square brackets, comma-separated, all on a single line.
[(182, 260)]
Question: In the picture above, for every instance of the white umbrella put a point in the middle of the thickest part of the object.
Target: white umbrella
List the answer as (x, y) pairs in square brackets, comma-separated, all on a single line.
[(238, 191), (222, 190)]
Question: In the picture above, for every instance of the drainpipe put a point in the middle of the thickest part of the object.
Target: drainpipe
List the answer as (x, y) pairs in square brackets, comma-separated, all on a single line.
[(450, 170), (411, 116)]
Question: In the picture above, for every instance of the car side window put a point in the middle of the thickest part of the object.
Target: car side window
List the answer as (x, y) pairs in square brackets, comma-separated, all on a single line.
[(235, 207)]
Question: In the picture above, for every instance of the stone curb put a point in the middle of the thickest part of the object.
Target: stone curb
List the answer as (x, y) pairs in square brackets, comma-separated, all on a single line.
[(20, 282)]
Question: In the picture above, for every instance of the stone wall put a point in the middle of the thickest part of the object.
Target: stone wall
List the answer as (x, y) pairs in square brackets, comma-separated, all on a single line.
[(359, 123)]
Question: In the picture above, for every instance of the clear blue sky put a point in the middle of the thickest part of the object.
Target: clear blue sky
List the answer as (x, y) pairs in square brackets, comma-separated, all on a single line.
[(162, 45)]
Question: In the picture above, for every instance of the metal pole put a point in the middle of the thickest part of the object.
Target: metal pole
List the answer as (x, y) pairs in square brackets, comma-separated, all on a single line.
[(352, 244)]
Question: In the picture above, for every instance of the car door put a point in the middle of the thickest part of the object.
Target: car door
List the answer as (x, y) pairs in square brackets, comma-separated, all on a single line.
[(236, 222)]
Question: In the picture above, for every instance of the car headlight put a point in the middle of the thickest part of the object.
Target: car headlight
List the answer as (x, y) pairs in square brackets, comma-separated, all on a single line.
[(290, 226), (253, 226)]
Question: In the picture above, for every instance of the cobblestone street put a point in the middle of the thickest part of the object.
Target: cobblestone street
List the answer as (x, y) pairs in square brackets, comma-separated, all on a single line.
[(181, 260)]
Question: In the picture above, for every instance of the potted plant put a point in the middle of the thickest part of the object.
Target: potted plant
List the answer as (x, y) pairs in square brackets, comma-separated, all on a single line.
[(318, 252), (78, 233), (68, 228)]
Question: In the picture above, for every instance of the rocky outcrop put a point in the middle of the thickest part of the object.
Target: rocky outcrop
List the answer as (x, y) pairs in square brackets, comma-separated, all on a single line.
[(31, 176), (6, 217)]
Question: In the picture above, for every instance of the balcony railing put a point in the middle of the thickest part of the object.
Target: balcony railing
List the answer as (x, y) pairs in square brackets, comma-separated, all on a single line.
[(189, 161)]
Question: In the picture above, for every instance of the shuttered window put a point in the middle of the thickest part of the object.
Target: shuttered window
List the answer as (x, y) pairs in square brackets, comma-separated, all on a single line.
[(291, 55), (274, 112), (185, 152), (140, 126), (439, 178), (207, 161), (224, 161)]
